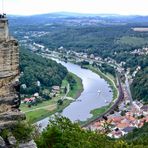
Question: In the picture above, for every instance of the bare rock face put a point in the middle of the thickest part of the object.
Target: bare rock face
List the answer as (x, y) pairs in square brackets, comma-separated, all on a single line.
[(12, 141), (9, 87), (9, 73), (2, 143)]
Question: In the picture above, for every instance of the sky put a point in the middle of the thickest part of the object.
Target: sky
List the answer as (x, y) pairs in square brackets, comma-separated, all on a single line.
[(31, 7)]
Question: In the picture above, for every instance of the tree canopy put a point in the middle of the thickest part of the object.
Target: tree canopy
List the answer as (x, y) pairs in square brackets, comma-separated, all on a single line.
[(62, 133), (35, 68)]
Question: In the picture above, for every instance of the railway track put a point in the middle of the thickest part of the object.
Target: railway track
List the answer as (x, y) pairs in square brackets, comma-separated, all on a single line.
[(113, 107)]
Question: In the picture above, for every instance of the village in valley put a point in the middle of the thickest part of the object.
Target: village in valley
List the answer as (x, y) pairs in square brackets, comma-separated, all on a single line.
[(128, 115)]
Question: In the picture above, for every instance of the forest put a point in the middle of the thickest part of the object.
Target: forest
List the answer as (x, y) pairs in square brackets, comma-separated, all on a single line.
[(139, 86), (34, 68)]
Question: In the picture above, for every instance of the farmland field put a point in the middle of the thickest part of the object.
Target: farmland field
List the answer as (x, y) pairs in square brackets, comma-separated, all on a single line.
[(140, 29)]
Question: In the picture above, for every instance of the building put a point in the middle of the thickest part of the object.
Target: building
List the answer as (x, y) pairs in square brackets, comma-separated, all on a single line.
[(144, 108), (128, 129), (92, 56), (55, 89)]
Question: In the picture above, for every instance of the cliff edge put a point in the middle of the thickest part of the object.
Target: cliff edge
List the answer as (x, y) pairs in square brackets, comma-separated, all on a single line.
[(10, 99)]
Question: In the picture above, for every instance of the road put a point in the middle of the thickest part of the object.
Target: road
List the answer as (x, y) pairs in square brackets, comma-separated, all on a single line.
[(68, 89), (128, 89)]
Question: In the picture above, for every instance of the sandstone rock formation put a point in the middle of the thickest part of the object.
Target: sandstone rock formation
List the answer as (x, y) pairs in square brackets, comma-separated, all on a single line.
[(9, 84), (9, 72)]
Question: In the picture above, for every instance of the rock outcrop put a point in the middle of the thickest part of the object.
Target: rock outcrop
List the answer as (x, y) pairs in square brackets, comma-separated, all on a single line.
[(9, 74), (9, 85)]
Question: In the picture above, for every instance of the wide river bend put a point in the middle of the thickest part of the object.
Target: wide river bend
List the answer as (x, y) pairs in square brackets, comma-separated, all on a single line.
[(96, 94)]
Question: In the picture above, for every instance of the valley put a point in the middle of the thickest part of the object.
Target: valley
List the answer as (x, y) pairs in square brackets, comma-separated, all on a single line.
[(99, 79)]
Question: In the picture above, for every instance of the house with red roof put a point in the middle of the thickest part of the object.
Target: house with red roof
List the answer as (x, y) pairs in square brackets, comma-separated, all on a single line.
[(29, 100)]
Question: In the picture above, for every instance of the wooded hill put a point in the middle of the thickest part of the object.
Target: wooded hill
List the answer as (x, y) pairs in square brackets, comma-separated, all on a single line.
[(35, 68)]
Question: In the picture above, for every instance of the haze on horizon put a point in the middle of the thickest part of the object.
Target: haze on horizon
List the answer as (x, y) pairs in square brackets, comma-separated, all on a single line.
[(31, 7)]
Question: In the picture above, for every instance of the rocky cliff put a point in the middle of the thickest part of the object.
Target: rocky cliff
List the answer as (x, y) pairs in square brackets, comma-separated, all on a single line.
[(9, 88)]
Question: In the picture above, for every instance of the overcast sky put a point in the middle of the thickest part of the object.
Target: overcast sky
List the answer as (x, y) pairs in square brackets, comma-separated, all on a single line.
[(29, 7)]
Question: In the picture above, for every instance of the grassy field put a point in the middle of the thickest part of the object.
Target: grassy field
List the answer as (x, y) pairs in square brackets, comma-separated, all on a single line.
[(47, 108), (77, 88), (96, 112), (99, 111), (132, 41), (140, 29)]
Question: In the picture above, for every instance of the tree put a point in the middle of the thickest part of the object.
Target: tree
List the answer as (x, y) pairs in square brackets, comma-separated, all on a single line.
[(35, 68), (65, 89), (60, 102), (71, 80), (62, 133)]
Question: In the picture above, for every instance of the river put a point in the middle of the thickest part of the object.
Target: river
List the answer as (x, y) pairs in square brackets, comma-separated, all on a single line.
[(89, 99)]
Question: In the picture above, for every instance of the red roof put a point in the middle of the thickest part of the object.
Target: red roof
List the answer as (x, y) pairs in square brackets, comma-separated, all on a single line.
[(117, 119), (28, 99), (123, 125), (97, 124)]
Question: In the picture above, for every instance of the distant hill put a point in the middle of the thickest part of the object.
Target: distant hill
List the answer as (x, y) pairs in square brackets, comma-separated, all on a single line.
[(44, 18)]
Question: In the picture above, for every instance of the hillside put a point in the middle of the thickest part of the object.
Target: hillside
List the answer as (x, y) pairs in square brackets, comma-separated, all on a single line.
[(139, 86), (34, 68)]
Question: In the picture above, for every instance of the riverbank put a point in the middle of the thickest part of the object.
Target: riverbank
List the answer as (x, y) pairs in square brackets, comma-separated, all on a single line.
[(77, 88), (109, 78), (112, 83), (47, 108)]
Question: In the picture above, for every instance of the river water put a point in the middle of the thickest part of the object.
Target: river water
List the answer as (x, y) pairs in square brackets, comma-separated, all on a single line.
[(89, 99)]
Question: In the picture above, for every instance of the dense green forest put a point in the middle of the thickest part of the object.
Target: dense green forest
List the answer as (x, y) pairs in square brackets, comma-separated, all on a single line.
[(62, 133), (139, 86), (35, 68)]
